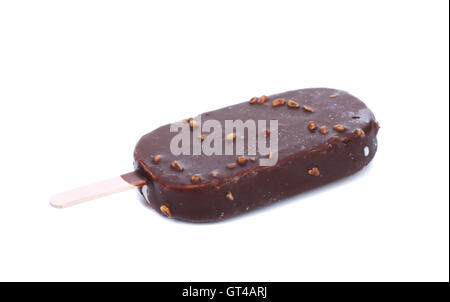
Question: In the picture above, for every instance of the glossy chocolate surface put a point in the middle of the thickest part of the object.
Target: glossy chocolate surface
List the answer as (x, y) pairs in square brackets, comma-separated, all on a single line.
[(307, 156)]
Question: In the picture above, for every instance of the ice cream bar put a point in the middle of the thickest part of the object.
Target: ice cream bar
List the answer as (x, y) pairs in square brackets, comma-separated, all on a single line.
[(322, 134)]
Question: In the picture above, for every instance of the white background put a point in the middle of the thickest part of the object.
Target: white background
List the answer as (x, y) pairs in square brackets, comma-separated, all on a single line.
[(82, 81)]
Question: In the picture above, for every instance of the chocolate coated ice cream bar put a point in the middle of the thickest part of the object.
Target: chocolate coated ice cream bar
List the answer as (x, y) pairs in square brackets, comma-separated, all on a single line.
[(322, 135)]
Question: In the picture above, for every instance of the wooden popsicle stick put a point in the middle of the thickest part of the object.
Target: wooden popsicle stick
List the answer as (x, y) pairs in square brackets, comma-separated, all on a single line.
[(96, 190)]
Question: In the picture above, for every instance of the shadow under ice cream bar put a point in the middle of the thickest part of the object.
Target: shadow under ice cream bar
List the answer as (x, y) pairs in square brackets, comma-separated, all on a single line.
[(323, 135)]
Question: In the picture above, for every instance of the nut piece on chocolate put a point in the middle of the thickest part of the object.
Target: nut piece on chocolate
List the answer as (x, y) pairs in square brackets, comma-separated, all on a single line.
[(278, 102), (232, 166), (339, 128), (308, 109), (176, 165), (242, 160), (314, 171), (312, 126), (262, 99), (231, 136), (253, 100), (293, 104), (156, 159), (360, 133), (165, 209), (323, 130), (195, 178)]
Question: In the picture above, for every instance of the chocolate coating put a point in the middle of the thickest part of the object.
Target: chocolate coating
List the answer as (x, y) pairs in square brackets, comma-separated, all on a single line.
[(306, 158)]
